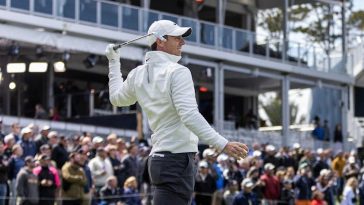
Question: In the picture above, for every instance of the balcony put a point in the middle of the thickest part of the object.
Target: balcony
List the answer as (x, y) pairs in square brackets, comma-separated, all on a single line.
[(136, 20)]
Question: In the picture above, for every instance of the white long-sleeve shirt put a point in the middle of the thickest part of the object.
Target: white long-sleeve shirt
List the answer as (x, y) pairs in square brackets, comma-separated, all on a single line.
[(100, 169), (165, 91)]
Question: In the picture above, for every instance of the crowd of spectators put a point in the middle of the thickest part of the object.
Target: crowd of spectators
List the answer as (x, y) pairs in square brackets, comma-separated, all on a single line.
[(41, 166)]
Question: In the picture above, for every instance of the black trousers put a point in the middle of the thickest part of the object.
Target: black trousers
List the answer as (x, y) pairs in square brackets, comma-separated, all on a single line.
[(172, 177)]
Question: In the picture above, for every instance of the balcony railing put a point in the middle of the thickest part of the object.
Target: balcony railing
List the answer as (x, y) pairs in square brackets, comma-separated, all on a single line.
[(87, 103), (126, 18)]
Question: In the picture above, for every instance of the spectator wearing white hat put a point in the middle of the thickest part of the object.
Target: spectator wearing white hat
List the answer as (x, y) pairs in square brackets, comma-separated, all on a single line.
[(9, 142), (269, 157), (205, 184), (27, 143), (52, 138), (96, 142), (246, 196), (271, 184), (320, 164), (303, 183)]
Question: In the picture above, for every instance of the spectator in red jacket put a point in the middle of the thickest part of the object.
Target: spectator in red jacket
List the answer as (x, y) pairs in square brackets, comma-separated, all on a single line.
[(271, 191)]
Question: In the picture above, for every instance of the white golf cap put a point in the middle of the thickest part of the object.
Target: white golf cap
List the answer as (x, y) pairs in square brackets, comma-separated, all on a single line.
[(270, 148), (97, 139), (296, 146), (247, 183), (351, 159), (166, 27), (25, 130), (8, 138), (52, 134), (45, 127), (257, 153), (203, 164)]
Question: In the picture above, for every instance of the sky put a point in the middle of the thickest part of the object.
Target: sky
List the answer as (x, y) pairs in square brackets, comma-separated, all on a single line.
[(358, 5)]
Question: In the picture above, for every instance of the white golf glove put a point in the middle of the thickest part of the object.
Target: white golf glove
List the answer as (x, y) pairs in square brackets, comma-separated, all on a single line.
[(111, 54)]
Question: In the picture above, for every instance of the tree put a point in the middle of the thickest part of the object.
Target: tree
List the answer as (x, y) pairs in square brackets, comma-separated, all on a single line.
[(273, 108), (356, 19), (315, 21)]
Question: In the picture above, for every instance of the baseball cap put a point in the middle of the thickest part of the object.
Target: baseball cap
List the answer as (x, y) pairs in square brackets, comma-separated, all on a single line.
[(351, 159), (203, 164), (97, 139), (8, 138), (296, 146), (208, 153), (247, 183), (45, 127), (166, 27), (257, 153), (269, 166), (303, 165), (25, 130), (270, 148), (52, 134)]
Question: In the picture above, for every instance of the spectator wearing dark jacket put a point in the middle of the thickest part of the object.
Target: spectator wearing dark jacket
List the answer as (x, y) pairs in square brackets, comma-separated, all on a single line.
[(116, 165), (130, 163), (4, 167), (111, 193), (131, 194), (320, 164), (287, 193), (29, 148), (246, 196), (48, 181), (15, 164), (303, 184), (60, 153), (42, 138), (27, 184), (205, 185)]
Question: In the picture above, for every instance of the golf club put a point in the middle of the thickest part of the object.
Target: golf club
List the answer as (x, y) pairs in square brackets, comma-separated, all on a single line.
[(131, 41)]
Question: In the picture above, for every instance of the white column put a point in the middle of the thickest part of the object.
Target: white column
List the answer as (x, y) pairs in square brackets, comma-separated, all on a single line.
[(145, 4), (285, 30), (220, 13), (216, 98), (50, 82), (221, 96), (285, 110), (344, 116)]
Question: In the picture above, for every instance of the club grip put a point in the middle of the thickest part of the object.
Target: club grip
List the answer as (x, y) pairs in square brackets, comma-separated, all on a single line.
[(116, 47)]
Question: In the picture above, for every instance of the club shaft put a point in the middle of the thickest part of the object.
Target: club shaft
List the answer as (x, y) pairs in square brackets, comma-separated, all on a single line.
[(129, 42)]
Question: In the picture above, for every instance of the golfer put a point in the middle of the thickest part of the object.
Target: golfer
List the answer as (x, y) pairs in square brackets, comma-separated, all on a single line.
[(165, 91)]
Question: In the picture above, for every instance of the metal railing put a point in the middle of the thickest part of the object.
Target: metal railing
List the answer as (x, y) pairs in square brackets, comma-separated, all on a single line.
[(126, 18), (250, 137), (87, 103)]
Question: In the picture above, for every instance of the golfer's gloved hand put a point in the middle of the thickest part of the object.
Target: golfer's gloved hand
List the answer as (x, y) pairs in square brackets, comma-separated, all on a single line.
[(112, 56)]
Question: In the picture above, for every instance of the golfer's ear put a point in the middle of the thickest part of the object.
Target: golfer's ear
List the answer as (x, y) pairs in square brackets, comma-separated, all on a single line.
[(160, 42)]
